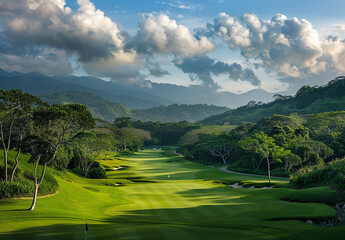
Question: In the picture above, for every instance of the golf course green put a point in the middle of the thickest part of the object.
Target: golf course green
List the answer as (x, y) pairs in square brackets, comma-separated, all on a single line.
[(158, 195)]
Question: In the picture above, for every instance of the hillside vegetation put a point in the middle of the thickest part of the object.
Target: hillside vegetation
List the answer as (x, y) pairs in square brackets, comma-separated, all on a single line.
[(109, 111), (307, 100), (99, 107), (283, 144)]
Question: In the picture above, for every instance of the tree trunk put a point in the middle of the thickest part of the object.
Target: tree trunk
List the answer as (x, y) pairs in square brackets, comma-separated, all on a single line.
[(16, 166), (33, 205), (269, 170), (5, 163), (259, 163), (37, 184), (224, 160)]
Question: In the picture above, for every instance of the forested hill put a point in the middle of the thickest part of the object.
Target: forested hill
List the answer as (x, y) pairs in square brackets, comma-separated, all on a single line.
[(100, 108), (176, 113), (307, 100), (109, 111)]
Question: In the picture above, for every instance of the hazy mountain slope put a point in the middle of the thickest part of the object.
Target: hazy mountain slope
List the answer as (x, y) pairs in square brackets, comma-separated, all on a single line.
[(99, 107), (37, 83), (109, 111), (132, 96), (307, 100), (196, 94), (176, 113)]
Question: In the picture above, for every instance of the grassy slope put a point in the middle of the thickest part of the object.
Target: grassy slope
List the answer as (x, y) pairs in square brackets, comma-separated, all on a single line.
[(184, 206)]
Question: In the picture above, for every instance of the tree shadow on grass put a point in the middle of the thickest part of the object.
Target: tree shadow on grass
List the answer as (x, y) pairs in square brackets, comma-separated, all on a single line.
[(201, 222)]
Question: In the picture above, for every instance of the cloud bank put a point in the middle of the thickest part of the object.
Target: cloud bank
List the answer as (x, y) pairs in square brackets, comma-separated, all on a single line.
[(161, 35), (42, 35), (290, 47)]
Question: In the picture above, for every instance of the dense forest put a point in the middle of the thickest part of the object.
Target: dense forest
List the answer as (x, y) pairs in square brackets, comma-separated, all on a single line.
[(279, 145), (307, 100)]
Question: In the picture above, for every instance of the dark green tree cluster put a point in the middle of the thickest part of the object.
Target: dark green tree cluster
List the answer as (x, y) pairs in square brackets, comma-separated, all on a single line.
[(165, 133), (285, 143), (308, 100)]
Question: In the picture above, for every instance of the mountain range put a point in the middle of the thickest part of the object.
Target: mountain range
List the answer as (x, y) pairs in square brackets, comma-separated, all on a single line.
[(131, 96), (109, 111)]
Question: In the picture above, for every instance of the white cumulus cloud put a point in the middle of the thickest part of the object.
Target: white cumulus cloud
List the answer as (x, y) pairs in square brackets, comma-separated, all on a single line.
[(162, 35), (289, 47)]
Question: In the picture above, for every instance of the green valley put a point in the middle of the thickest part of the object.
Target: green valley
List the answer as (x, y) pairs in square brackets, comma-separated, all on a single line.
[(162, 196)]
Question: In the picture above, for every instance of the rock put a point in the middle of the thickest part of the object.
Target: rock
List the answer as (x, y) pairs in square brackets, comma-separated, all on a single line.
[(310, 221)]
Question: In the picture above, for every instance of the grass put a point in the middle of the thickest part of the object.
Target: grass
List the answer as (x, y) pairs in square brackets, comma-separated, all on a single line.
[(171, 198)]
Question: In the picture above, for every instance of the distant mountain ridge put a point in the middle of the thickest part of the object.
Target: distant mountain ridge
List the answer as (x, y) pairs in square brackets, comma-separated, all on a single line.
[(176, 113), (131, 96), (307, 100)]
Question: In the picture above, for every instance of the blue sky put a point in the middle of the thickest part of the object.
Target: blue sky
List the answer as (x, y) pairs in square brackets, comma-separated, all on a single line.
[(319, 12), (240, 44)]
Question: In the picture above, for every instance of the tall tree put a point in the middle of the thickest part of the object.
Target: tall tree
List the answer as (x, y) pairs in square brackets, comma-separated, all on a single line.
[(264, 146), (89, 145), (222, 152), (53, 126), (15, 117)]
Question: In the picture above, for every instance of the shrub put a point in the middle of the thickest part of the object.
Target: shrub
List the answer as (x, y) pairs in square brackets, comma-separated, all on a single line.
[(332, 174)]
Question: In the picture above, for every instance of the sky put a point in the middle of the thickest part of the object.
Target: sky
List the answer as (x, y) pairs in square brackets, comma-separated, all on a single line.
[(223, 45)]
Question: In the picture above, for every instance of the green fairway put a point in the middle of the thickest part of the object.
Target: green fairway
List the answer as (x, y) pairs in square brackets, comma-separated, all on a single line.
[(157, 195)]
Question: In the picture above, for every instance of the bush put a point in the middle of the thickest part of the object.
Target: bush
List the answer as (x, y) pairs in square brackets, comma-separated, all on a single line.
[(24, 187), (19, 188), (332, 174), (23, 184), (97, 172)]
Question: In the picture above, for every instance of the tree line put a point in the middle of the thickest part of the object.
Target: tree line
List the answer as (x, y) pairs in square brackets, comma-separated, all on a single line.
[(282, 144)]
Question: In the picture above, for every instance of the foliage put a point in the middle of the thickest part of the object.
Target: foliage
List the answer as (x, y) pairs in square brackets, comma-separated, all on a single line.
[(193, 136), (96, 171), (177, 113), (88, 146), (307, 140), (332, 174), (16, 110), (165, 133), (308, 100), (99, 107), (22, 185), (109, 111)]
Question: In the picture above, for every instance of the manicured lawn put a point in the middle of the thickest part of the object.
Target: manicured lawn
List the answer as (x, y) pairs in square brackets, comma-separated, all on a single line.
[(162, 196)]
